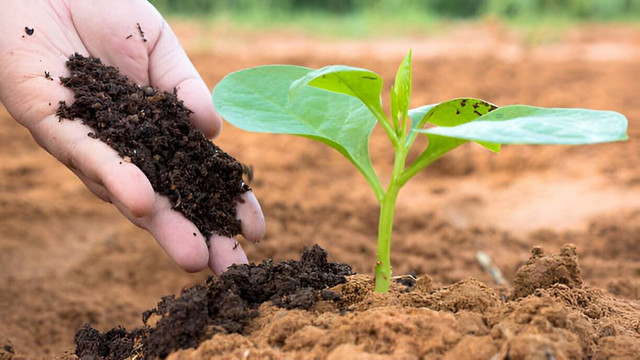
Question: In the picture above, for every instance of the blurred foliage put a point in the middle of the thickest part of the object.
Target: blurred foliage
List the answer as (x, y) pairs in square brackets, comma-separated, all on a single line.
[(457, 8), (580, 9)]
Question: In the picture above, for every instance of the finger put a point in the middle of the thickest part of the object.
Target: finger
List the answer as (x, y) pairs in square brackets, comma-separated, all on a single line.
[(95, 160), (152, 55), (121, 34), (97, 189), (179, 237), (251, 217), (169, 68), (224, 252)]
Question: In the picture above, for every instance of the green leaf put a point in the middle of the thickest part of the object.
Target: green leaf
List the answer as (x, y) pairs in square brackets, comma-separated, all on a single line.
[(359, 83), (519, 124), (418, 114), (452, 113), (401, 93), (257, 99)]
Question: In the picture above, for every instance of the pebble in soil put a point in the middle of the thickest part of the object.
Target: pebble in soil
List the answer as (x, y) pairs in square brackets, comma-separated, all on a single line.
[(151, 129)]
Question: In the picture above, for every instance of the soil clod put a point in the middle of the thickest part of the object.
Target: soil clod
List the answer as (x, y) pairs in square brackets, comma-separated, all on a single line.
[(151, 129), (542, 271), (116, 343)]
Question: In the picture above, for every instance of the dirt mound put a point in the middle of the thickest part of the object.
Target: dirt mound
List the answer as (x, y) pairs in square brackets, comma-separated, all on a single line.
[(223, 305), (558, 319)]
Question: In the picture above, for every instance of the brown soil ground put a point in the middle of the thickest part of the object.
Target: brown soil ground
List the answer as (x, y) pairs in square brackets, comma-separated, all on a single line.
[(66, 258)]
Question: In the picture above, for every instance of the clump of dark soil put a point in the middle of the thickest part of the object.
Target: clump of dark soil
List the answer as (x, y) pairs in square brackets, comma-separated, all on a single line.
[(116, 343), (151, 129), (222, 305)]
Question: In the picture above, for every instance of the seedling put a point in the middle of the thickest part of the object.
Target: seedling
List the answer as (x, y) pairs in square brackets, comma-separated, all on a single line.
[(340, 105)]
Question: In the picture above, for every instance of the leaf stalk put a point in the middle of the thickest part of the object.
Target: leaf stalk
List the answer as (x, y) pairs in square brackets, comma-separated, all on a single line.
[(382, 119)]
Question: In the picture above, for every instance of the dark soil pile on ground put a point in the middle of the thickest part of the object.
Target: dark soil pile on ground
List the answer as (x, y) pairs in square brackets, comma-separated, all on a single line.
[(151, 129), (223, 305)]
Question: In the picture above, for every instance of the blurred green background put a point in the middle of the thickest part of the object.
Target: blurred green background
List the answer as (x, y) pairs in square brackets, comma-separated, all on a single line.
[(579, 9), (376, 17)]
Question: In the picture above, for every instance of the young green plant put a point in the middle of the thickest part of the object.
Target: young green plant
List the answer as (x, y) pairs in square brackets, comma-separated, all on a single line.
[(340, 105)]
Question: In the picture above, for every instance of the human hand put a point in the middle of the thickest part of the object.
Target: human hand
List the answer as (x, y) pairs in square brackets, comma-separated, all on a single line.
[(101, 28)]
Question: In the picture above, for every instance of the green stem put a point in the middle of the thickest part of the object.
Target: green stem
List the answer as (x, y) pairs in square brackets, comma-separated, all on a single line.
[(385, 225)]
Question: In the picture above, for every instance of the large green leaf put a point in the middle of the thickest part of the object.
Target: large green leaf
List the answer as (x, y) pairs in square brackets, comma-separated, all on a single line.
[(257, 99), (360, 83), (519, 124)]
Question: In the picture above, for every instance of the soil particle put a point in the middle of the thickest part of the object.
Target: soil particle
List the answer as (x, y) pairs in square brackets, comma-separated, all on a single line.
[(223, 305), (151, 129), (141, 32), (29, 31), (540, 271)]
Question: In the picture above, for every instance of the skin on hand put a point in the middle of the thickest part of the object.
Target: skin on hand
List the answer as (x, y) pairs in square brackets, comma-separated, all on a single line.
[(108, 29)]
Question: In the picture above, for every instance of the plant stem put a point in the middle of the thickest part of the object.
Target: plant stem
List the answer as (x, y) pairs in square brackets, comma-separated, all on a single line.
[(385, 225)]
